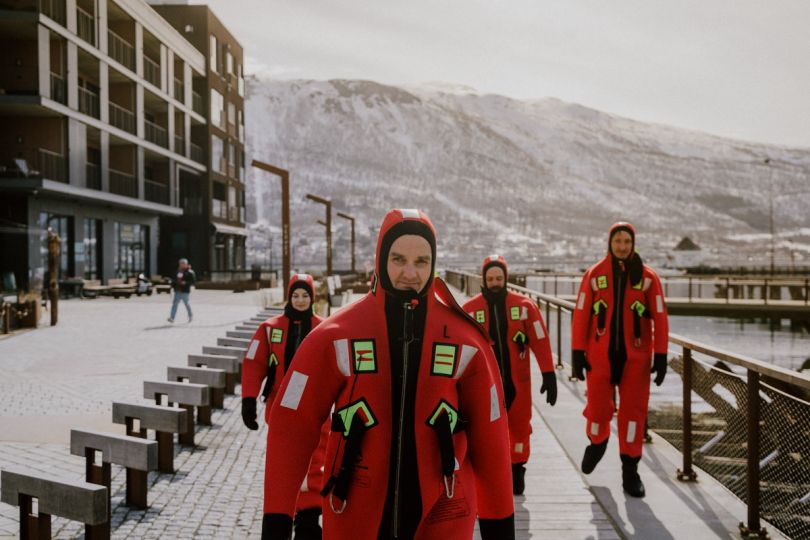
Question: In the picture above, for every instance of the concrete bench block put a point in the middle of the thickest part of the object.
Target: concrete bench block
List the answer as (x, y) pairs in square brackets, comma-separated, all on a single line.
[(234, 342), (236, 352), (239, 334), (129, 452), (156, 417), (229, 364), (215, 378), (197, 395)]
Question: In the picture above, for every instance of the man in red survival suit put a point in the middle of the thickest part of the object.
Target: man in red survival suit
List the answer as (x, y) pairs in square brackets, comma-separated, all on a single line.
[(515, 326), (269, 356), (620, 322), (419, 439)]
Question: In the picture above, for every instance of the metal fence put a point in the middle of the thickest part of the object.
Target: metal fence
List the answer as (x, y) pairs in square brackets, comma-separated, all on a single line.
[(740, 420)]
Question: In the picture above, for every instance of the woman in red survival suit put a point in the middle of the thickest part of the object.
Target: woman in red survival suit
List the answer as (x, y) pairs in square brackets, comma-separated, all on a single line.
[(515, 327), (620, 322), (419, 441), (269, 356)]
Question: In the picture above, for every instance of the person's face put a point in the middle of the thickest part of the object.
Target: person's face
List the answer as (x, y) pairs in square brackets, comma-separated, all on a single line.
[(495, 279), (183, 265), (300, 300), (621, 245), (409, 262)]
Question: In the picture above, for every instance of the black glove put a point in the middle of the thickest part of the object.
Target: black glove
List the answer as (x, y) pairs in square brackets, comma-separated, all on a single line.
[(659, 367), (249, 412), (276, 527), (497, 529), (550, 384), (581, 365)]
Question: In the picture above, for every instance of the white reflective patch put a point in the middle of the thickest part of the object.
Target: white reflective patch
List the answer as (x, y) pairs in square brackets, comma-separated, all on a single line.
[(659, 303), (519, 448), (251, 353), (581, 301), (647, 283), (409, 213), (593, 284), (467, 353), (471, 314), (494, 404), (524, 313), (305, 485), (594, 429), (295, 389), (492, 258), (301, 277), (631, 431), (538, 330), (342, 356), (457, 467)]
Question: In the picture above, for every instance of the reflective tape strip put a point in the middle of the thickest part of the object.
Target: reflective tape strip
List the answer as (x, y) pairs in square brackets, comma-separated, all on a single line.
[(494, 404), (519, 448), (471, 314), (467, 353), (594, 429), (342, 356), (301, 277), (659, 303), (593, 284), (251, 353), (492, 258), (409, 213), (538, 329), (524, 313), (631, 431), (581, 301), (295, 389), (457, 466), (305, 485), (647, 283)]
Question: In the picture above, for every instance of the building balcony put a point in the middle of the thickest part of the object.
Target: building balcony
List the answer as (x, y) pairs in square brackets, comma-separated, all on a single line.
[(86, 26), (93, 180), (120, 50), (155, 134), (197, 153), (55, 9), (156, 192), (88, 102), (179, 145), (123, 184), (197, 104), (58, 89), (52, 166), (122, 118), (179, 91), (219, 209), (151, 71)]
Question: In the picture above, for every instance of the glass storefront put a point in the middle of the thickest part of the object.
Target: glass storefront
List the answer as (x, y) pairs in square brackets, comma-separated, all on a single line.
[(63, 226), (92, 248), (131, 250)]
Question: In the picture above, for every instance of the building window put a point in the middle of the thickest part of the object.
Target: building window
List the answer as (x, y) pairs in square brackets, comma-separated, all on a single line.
[(217, 109), (131, 250), (63, 226), (229, 62), (217, 149), (212, 51), (231, 114), (232, 154), (92, 248)]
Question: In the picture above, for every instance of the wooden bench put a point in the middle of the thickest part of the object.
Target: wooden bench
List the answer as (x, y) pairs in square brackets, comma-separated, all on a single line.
[(240, 343), (62, 497), (117, 288), (186, 395), (92, 288), (229, 364), (161, 284), (165, 421), (211, 377), (137, 455)]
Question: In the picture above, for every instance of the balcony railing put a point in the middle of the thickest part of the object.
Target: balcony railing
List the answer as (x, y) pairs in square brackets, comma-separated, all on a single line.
[(120, 50), (123, 183), (58, 89), (179, 91), (86, 24), (241, 214), (55, 9), (179, 145), (197, 103), (219, 209), (151, 71), (52, 166), (156, 192), (93, 180), (88, 102), (197, 153), (122, 118), (233, 213), (155, 134)]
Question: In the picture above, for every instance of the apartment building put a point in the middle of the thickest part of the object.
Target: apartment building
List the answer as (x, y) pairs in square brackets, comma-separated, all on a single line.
[(215, 233)]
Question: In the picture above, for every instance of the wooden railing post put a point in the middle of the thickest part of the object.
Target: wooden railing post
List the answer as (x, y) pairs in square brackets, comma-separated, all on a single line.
[(687, 474), (753, 528)]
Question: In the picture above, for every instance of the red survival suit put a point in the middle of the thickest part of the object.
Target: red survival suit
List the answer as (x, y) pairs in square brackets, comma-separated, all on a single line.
[(458, 423), (644, 331), (526, 331), (265, 358)]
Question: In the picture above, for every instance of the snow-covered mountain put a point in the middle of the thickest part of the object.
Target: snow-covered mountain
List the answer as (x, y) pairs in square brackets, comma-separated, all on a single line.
[(539, 181)]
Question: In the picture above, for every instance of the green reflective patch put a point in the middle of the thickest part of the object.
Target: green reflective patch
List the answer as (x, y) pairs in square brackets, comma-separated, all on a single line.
[(638, 307), (480, 316), (348, 412), (514, 313), (365, 359), (273, 360), (599, 306), (276, 335), (374, 284), (444, 360), (452, 415), (601, 282), (520, 337)]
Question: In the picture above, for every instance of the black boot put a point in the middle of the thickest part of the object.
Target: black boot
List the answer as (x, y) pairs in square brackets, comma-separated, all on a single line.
[(631, 481), (518, 480), (593, 453), (306, 524), (276, 527)]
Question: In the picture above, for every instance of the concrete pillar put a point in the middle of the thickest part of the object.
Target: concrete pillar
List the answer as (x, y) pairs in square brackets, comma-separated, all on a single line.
[(104, 92), (79, 256), (164, 66), (169, 70), (70, 11), (72, 78), (170, 127), (173, 182), (139, 108), (108, 249), (102, 25), (139, 49), (44, 60), (187, 84), (77, 153), (105, 160), (139, 173)]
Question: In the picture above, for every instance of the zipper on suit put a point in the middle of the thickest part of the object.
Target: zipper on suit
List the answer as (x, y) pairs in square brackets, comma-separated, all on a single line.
[(620, 315), (407, 337), (500, 342)]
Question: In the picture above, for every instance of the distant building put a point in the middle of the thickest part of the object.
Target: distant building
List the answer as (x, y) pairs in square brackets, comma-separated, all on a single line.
[(687, 254)]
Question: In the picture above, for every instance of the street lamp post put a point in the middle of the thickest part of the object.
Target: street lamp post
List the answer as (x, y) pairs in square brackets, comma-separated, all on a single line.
[(351, 220), (767, 162), (284, 175), (328, 225)]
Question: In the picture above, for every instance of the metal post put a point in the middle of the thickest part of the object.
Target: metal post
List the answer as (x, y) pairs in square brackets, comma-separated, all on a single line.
[(766, 291), (559, 333), (351, 220), (687, 474), (728, 290), (690, 289), (284, 175), (53, 272), (328, 225), (753, 527)]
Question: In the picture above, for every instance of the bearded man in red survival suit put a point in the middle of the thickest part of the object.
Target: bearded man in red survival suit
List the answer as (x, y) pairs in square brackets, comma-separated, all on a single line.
[(515, 326), (269, 357), (419, 440), (620, 322)]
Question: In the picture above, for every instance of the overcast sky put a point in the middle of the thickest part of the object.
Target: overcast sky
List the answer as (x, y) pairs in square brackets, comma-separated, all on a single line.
[(737, 68)]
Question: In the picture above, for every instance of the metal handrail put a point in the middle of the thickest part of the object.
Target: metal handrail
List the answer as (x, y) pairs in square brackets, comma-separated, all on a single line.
[(122, 118), (88, 102), (151, 71), (85, 25), (121, 50), (155, 134)]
